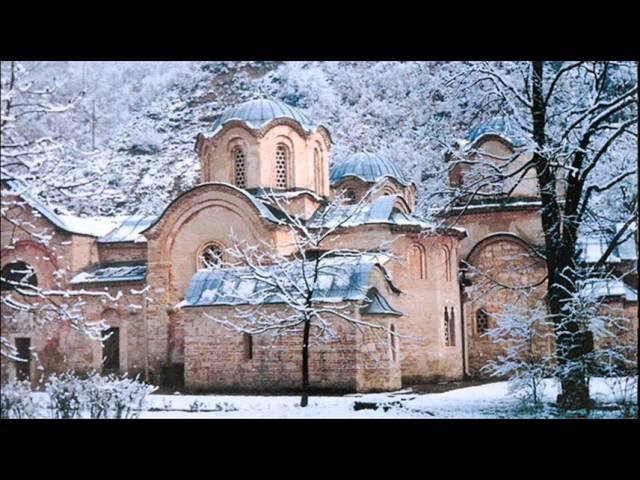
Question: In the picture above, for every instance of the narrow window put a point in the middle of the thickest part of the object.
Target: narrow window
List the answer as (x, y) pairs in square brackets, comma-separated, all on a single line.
[(482, 321), (248, 346), (452, 328), (239, 168), (111, 350), (23, 368), (317, 161), (447, 338), (281, 167)]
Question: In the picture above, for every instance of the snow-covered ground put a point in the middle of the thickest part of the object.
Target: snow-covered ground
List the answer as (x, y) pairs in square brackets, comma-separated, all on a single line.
[(485, 401), (491, 400)]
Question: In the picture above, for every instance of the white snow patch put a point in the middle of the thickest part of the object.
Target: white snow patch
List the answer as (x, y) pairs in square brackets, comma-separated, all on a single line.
[(94, 226)]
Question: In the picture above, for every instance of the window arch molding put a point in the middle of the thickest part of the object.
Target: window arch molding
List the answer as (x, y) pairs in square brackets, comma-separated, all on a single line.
[(239, 157), (210, 254), (417, 261), (447, 262), (282, 166), (283, 143), (234, 146)]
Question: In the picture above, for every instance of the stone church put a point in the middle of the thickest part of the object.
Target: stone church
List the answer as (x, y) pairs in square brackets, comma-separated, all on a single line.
[(145, 276)]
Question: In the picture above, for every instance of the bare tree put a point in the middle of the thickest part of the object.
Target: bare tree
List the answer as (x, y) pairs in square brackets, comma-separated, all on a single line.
[(579, 120), (34, 162), (299, 279)]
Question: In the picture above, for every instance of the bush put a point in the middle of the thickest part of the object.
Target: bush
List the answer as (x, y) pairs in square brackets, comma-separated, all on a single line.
[(16, 401), (65, 395), (96, 396), (117, 397)]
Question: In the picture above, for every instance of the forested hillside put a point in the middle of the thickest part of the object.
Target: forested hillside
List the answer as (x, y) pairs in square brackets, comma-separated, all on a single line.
[(128, 139)]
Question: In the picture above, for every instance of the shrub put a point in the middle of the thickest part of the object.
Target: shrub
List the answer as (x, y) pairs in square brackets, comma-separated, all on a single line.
[(16, 401), (65, 395), (96, 396)]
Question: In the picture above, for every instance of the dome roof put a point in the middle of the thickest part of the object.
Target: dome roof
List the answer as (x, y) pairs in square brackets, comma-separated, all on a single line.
[(369, 167), (500, 126), (257, 113)]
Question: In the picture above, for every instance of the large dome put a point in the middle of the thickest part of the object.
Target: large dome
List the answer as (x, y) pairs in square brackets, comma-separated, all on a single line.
[(370, 167), (257, 113)]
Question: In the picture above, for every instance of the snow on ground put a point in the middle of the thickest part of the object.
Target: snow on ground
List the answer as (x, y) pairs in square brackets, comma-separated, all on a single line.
[(485, 401), (491, 400)]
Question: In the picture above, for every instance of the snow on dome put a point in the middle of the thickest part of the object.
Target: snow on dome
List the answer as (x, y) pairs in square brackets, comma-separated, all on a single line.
[(369, 167), (500, 126), (257, 113)]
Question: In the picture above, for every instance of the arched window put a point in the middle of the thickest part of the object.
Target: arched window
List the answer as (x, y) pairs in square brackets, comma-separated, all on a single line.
[(447, 339), (482, 321), (317, 163), (210, 256), (282, 158), (112, 342), (18, 273), (417, 262), (111, 350), (393, 343), (452, 328), (239, 167), (350, 197), (447, 263)]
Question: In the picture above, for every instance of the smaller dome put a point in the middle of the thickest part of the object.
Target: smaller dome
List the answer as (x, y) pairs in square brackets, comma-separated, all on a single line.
[(369, 167), (500, 126), (257, 113)]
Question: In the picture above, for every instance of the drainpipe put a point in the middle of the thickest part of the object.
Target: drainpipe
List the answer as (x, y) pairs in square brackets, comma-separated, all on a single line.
[(146, 336), (461, 283)]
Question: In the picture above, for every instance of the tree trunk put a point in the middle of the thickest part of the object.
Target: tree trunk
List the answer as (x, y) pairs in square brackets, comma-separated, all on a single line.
[(304, 401), (571, 343)]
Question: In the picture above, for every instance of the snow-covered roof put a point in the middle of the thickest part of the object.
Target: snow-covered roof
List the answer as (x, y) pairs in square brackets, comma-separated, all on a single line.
[(381, 210), (594, 244), (340, 279), (368, 167), (608, 287), (502, 127), (506, 203), (129, 230), (263, 210), (265, 193), (91, 226), (257, 113), (112, 273)]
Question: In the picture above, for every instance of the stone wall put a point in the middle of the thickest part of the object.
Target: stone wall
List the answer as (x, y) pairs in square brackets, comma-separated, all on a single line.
[(500, 269), (216, 358), (59, 347), (122, 252)]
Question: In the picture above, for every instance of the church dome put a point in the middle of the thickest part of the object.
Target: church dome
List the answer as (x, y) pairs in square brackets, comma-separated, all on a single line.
[(369, 167), (257, 113), (502, 127)]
